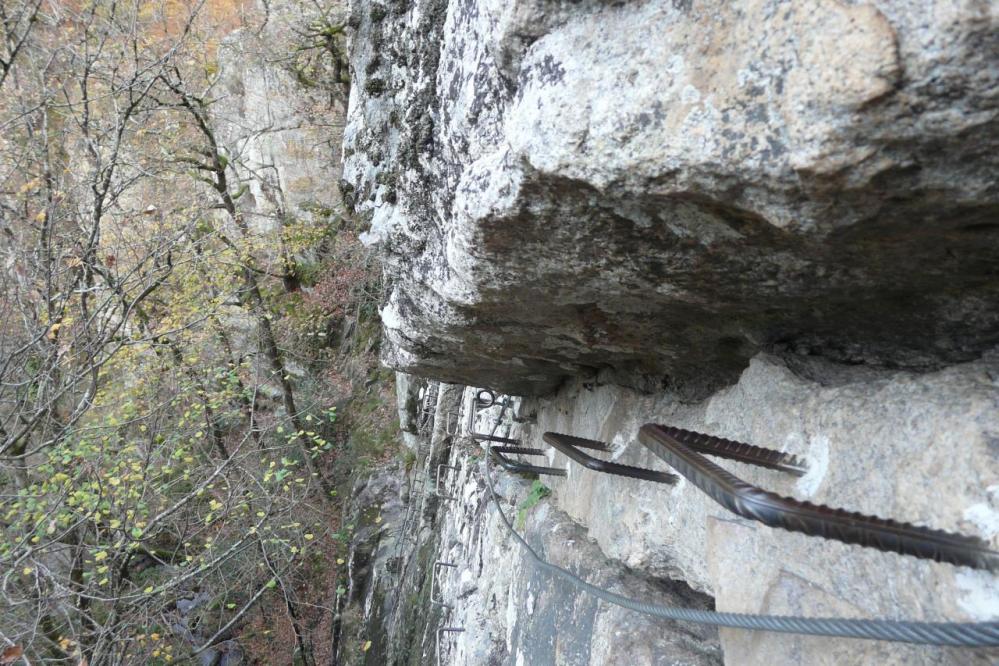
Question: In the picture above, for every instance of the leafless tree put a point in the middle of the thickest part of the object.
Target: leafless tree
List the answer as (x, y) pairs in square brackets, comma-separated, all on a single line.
[(137, 491)]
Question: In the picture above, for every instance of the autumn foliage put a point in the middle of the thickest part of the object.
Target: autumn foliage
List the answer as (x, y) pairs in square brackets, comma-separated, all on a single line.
[(167, 464)]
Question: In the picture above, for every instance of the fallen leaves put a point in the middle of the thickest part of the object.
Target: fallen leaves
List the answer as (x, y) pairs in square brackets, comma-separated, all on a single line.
[(11, 654)]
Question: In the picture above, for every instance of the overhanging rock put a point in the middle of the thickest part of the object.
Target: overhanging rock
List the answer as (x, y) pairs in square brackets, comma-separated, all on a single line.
[(663, 189)]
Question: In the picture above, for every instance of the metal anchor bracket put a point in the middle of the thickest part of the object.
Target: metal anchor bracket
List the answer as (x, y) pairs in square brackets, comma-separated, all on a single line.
[(445, 630), (446, 466), (496, 453), (682, 449), (435, 567), (451, 423), (738, 451), (437, 487), (484, 399)]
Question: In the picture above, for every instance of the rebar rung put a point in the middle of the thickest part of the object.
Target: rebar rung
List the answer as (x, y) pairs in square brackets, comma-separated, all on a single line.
[(754, 503)]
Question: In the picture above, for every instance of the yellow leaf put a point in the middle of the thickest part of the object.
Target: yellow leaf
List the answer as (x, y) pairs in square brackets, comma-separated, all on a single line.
[(309, 537), (367, 646), (27, 571), (101, 556)]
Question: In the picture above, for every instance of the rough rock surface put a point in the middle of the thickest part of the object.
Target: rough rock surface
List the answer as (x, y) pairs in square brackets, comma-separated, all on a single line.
[(662, 189), (407, 391), (279, 133), (395, 517), (780, 221), (878, 442), (915, 447), (514, 614)]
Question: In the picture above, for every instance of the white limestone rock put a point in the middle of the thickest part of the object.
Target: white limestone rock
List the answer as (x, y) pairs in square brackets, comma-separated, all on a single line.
[(659, 190)]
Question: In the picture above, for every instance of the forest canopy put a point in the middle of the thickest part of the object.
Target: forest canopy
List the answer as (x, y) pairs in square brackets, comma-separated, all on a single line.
[(178, 366)]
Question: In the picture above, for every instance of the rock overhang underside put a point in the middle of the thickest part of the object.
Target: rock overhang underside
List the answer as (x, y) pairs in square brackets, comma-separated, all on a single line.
[(657, 191)]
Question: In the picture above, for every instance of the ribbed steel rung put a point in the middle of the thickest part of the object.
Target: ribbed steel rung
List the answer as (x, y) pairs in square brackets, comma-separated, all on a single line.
[(754, 503), (570, 445), (738, 451)]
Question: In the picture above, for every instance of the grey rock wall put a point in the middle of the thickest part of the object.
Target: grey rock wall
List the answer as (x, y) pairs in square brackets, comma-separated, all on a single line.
[(780, 221), (513, 613), (920, 448), (656, 191)]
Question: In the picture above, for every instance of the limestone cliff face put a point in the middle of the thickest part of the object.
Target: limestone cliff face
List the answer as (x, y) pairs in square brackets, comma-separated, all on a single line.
[(663, 189), (280, 115)]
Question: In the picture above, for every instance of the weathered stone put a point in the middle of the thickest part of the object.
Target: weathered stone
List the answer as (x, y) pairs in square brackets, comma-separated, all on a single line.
[(407, 391), (661, 189), (796, 201), (917, 448), (515, 614)]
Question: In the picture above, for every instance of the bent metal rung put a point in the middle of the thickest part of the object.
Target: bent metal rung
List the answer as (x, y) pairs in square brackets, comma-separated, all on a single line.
[(749, 501), (434, 599), (444, 630), (570, 445), (496, 453), (437, 488)]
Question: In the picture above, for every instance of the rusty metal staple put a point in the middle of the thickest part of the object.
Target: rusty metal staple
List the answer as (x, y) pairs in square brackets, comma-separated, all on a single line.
[(435, 567), (679, 448), (570, 445), (444, 630), (496, 453), (437, 488), (738, 451)]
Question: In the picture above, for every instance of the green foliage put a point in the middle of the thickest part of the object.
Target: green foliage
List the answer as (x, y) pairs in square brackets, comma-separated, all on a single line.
[(408, 459), (538, 492)]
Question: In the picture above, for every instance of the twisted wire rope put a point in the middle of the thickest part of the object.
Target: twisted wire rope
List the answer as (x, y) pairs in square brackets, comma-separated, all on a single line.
[(953, 634)]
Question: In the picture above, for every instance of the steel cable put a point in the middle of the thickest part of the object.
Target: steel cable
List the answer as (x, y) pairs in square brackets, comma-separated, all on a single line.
[(955, 634)]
